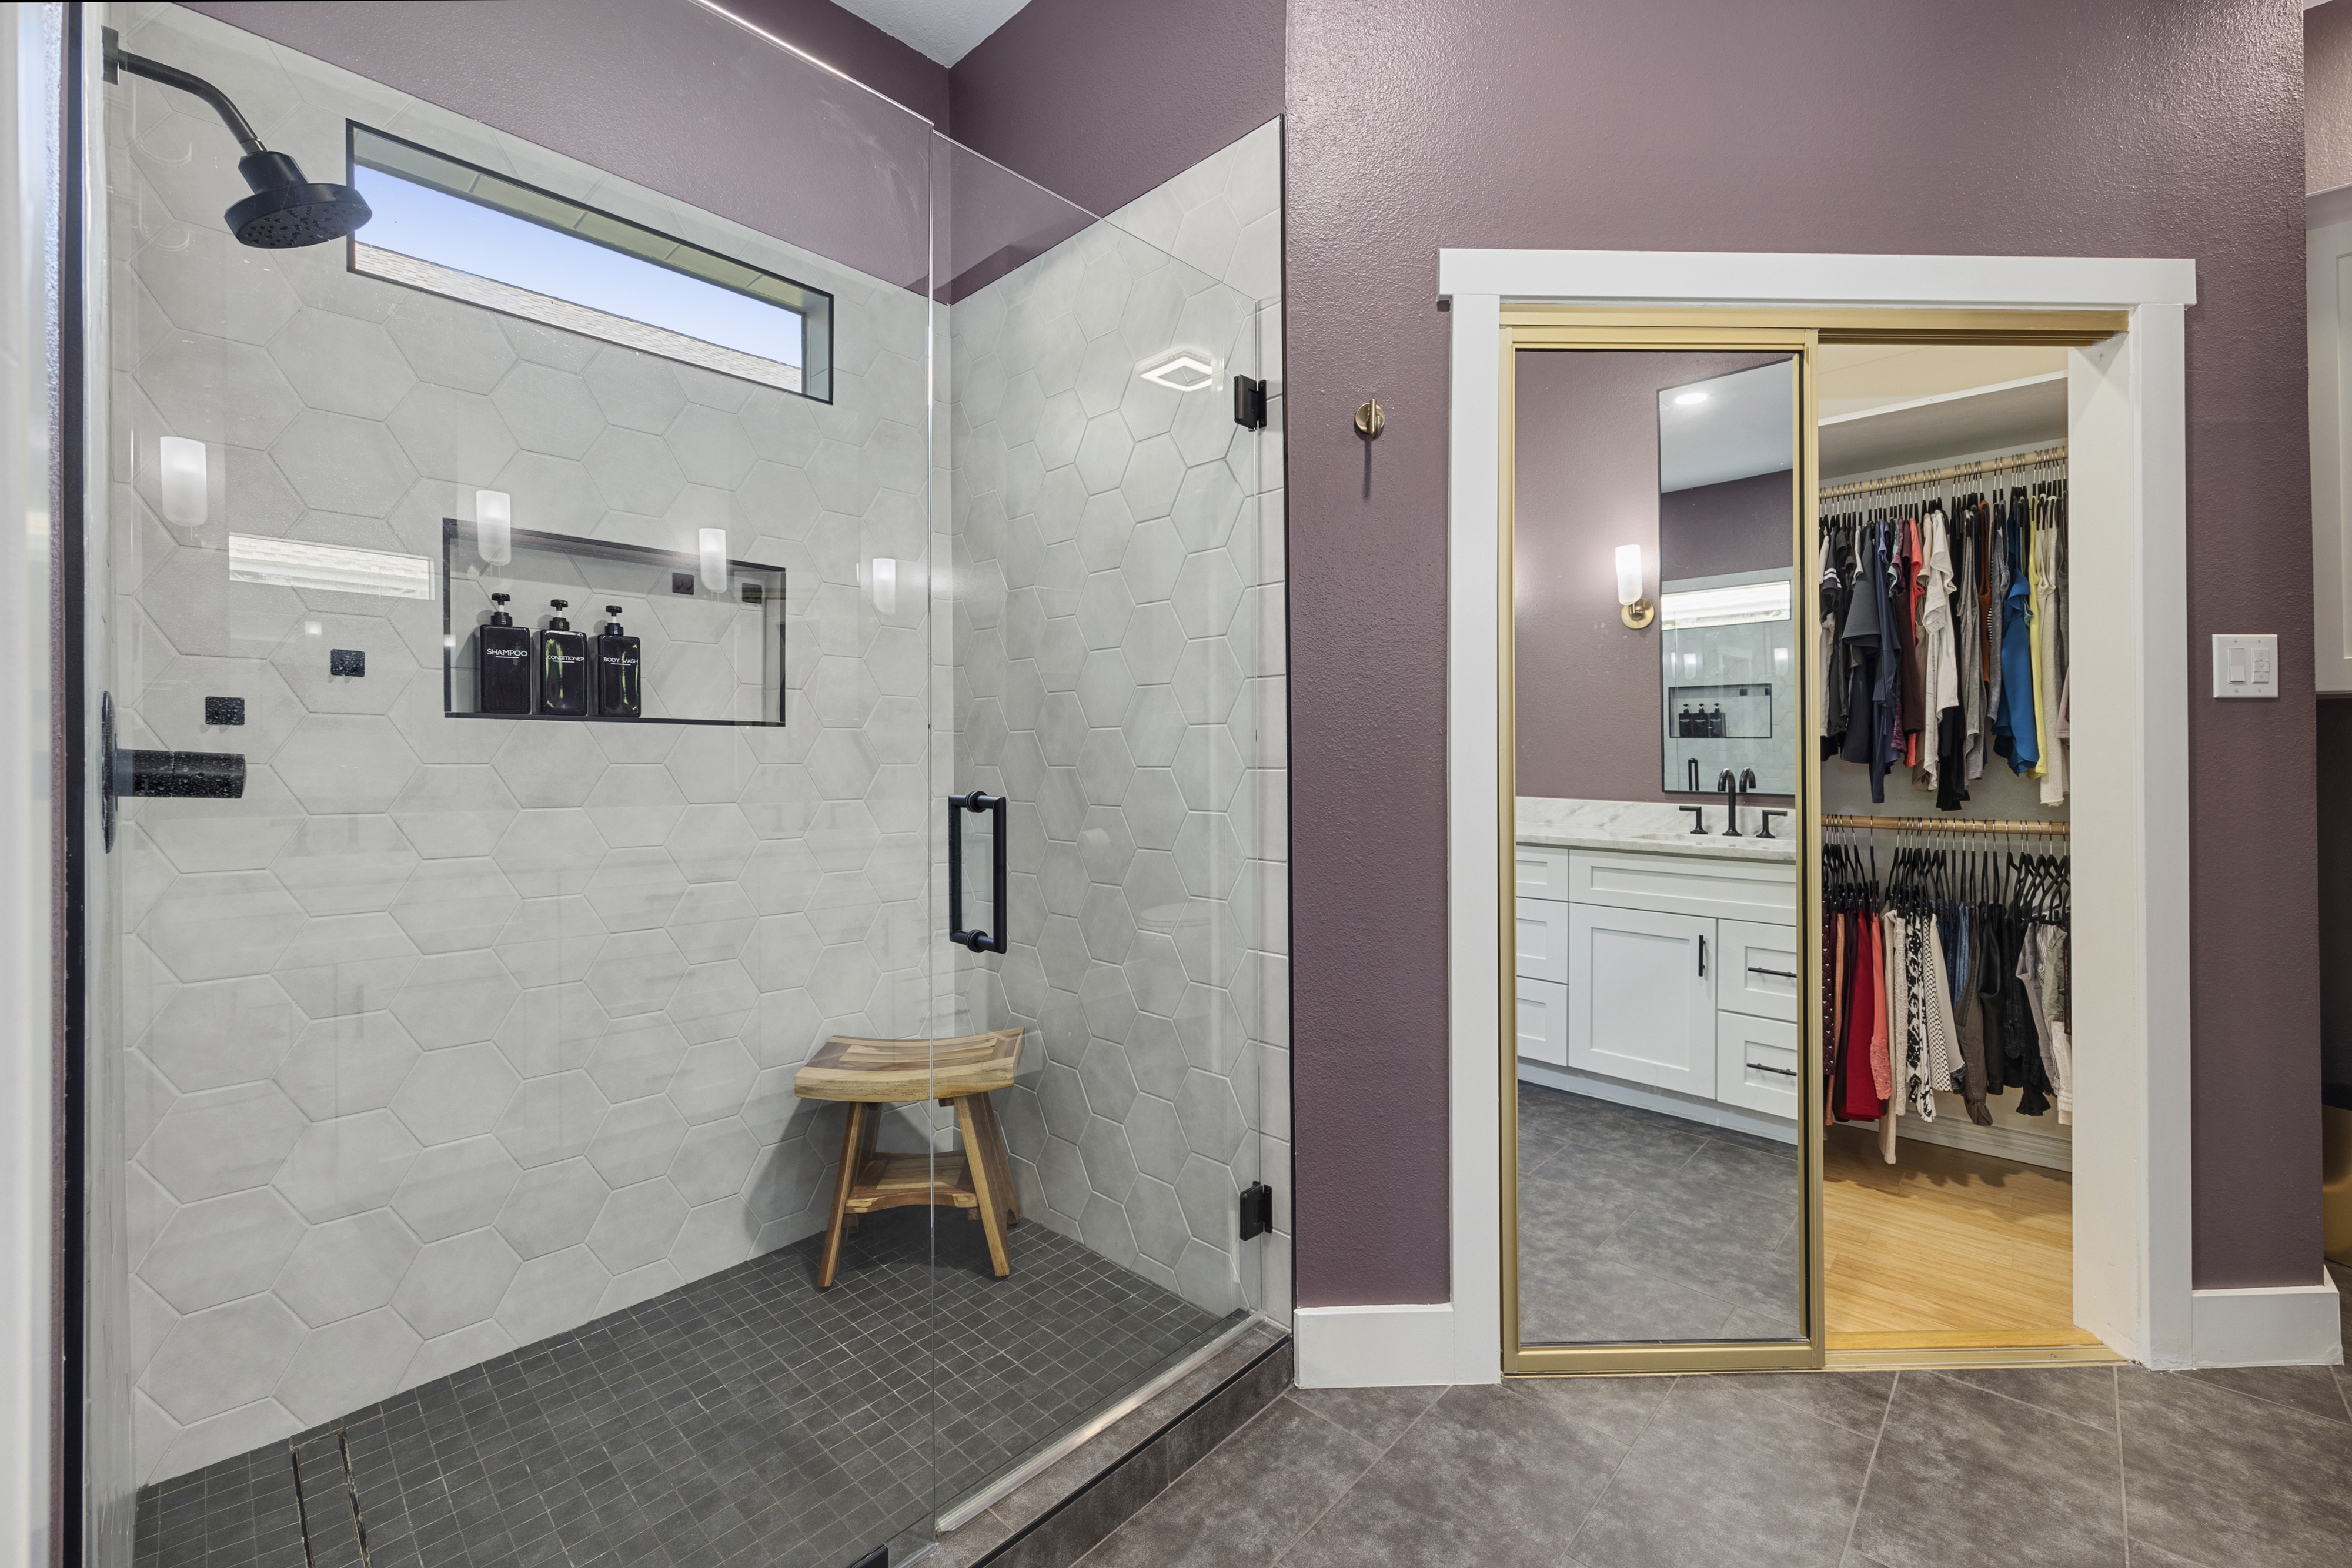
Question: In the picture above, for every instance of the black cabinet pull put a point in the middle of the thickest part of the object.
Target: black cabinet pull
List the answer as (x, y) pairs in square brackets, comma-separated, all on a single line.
[(1783, 1071), (978, 941), (1783, 974), (1702, 957)]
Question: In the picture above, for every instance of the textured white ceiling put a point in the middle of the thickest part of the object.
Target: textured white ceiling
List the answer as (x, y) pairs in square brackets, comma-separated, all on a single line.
[(1741, 426), (946, 30)]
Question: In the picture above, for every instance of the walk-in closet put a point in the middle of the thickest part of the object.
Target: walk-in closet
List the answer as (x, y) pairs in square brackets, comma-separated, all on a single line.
[(1945, 889)]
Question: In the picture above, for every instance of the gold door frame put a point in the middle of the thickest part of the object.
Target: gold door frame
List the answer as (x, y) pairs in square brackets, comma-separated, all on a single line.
[(1800, 333)]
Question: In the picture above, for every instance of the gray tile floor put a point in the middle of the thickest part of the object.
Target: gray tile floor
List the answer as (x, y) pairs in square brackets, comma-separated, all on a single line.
[(1634, 1226), (2068, 1467), (747, 1419)]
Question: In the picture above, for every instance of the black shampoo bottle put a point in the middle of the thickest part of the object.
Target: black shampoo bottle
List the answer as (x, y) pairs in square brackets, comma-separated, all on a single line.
[(619, 666), (503, 661), (562, 665)]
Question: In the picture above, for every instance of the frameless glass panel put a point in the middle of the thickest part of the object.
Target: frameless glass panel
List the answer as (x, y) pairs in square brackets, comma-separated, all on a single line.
[(1113, 624), (1658, 1088), (479, 1051)]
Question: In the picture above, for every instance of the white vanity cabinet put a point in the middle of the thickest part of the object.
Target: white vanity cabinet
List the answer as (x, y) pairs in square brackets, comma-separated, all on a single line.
[(1670, 971)]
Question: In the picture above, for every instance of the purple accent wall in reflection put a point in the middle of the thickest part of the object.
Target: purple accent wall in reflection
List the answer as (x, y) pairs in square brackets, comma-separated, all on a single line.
[(1711, 531), (2169, 128), (1103, 99), (1587, 688), (661, 92)]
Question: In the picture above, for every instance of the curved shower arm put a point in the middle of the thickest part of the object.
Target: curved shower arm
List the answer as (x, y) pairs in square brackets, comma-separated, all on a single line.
[(119, 59)]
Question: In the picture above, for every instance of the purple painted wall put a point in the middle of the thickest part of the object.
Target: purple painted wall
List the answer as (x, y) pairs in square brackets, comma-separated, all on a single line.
[(2328, 96), (1711, 531), (658, 91), (1102, 100), (1588, 482), (2098, 128), (855, 48)]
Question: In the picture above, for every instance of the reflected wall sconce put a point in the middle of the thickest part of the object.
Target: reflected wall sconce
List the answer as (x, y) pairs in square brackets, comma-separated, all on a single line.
[(181, 483), (494, 527), (881, 575), (713, 551), (1632, 609)]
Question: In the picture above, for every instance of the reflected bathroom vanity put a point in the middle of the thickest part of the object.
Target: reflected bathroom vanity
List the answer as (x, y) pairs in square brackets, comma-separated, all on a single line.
[(1657, 966)]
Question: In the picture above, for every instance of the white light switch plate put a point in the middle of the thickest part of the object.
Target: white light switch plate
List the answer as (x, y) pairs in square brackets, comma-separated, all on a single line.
[(2245, 666)]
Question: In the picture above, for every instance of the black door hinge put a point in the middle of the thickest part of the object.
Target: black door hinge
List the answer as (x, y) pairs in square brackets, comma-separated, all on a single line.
[(1257, 1210), (1249, 403)]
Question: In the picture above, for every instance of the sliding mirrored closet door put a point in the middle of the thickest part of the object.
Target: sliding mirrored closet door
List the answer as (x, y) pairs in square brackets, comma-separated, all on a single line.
[(1656, 1095)]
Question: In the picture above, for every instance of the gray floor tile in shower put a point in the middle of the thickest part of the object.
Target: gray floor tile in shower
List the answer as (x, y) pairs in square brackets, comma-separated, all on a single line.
[(745, 1417)]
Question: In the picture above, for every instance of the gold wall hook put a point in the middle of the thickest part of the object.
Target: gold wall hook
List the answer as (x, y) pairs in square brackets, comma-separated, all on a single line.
[(1370, 420)]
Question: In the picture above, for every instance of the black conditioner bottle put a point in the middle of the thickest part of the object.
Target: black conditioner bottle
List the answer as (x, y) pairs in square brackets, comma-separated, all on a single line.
[(563, 666)]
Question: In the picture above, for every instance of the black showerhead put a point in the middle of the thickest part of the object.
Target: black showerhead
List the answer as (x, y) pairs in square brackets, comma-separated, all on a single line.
[(285, 210)]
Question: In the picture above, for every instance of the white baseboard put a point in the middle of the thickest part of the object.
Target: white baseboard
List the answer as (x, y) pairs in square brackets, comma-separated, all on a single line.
[(1375, 1347), (2006, 1140), (1665, 1101), (2277, 1325)]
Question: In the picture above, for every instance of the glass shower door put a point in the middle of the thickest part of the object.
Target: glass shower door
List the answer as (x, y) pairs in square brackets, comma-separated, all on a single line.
[(520, 692)]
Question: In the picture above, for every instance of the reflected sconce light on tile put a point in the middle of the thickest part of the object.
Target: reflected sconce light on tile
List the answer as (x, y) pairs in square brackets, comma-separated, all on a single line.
[(1183, 371), (1632, 609), (183, 482), (494, 527), (712, 548), (881, 575)]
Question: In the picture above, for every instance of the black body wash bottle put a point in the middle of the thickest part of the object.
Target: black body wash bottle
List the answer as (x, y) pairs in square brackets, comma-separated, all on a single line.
[(619, 666), (502, 661), (563, 666)]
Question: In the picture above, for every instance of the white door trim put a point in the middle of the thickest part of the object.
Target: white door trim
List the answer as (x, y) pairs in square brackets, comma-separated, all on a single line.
[(2140, 1296)]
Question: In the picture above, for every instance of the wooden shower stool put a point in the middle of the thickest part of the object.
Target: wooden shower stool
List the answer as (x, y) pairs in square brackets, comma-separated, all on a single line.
[(872, 1073)]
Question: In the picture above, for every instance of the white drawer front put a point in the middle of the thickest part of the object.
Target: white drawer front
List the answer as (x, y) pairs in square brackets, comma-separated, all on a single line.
[(1759, 1064), (1761, 973), (1543, 939), (1543, 1021), (1762, 892), (1542, 872)]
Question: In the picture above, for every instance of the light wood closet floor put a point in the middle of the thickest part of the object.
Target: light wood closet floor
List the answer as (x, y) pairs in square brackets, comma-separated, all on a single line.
[(1945, 1250)]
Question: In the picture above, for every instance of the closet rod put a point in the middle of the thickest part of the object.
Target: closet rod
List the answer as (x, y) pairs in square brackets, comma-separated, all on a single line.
[(1949, 824), (1977, 469)]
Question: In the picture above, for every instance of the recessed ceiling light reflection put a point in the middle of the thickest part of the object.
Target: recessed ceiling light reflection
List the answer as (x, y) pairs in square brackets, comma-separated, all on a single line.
[(1183, 371), (1684, 400)]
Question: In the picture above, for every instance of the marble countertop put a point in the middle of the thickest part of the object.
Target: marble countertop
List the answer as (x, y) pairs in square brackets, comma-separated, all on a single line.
[(1644, 827)]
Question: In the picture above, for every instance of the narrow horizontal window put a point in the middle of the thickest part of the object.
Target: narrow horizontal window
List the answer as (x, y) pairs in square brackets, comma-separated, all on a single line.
[(456, 229)]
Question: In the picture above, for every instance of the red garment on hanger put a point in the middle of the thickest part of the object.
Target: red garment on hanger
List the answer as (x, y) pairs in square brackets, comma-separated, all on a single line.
[(1859, 1100)]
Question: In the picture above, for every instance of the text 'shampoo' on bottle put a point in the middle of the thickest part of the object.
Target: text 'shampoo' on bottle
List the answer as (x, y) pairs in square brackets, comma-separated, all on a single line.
[(502, 664)]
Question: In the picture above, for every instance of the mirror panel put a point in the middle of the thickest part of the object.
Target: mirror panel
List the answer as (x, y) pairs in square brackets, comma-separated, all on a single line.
[(1659, 1058)]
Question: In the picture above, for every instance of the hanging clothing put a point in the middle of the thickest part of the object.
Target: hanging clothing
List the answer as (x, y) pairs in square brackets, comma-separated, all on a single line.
[(2015, 736), (2048, 676)]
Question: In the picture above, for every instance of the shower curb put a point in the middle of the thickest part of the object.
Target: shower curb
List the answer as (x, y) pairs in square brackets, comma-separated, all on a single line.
[(1057, 1519)]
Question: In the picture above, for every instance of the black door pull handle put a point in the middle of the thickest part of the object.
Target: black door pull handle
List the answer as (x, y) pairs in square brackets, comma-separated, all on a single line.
[(978, 941), (1702, 957)]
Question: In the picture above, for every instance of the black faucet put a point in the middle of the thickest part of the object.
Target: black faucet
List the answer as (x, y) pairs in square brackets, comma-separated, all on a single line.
[(1699, 816), (1730, 787)]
